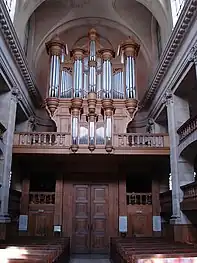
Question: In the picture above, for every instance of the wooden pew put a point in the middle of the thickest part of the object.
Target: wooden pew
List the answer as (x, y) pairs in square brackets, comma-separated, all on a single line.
[(132, 249), (45, 250)]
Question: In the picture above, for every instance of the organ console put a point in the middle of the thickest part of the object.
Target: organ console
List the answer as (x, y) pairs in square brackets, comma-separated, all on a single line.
[(89, 74)]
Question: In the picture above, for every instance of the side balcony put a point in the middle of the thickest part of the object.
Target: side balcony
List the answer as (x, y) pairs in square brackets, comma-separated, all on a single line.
[(60, 143), (189, 197), (187, 134)]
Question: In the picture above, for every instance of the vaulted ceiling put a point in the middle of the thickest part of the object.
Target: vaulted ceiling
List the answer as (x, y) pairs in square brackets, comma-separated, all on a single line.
[(114, 20)]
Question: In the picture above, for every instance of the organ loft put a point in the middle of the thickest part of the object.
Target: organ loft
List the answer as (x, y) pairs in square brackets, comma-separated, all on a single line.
[(88, 85)]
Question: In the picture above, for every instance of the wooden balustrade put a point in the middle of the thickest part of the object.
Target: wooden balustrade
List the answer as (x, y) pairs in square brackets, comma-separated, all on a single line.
[(57, 142), (54, 139), (187, 128), (42, 198), (190, 191), (141, 140), (139, 198), (189, 196)]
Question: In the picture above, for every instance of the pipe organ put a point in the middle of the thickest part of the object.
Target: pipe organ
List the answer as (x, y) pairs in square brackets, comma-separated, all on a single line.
[(90, 74)]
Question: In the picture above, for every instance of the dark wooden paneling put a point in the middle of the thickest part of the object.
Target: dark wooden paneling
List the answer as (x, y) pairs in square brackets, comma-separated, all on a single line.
[(67, 208), (81, 219), (91, 219), (99, 218), (41, 221), (25, 197), (58, 201), (139, 220)]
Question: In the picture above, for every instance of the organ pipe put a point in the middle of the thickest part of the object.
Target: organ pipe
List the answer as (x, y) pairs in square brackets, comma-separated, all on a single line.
[(55, 49), (76, 107), (107, 55), (130, 50), (92, 60), (78, 55)]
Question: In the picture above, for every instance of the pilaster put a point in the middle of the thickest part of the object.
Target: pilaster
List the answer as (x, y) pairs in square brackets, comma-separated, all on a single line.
[(6, 160), (178, 113)]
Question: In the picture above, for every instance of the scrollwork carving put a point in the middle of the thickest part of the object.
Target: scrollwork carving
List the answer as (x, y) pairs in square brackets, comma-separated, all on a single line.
[(167, 98), (193, 54)]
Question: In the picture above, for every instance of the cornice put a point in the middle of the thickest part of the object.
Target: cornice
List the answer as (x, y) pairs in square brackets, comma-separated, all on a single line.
[(9, 33), (178, 34)]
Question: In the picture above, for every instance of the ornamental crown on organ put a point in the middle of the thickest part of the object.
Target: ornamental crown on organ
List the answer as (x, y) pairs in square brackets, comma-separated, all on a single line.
[(89, 75)]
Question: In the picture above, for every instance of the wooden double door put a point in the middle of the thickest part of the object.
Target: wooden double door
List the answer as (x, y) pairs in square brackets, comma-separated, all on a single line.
[(90, 219)]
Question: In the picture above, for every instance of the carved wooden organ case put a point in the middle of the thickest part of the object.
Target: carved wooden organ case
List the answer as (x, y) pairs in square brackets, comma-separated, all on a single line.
[(88, 95)]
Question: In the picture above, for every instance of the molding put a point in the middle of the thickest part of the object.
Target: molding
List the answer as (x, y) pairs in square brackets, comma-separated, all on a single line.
[(9, 33), (12, 81), (177, 36)]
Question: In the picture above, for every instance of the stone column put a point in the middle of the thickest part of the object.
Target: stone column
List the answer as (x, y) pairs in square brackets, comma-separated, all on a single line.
[(181, 172), (5, 165), (193, 57)]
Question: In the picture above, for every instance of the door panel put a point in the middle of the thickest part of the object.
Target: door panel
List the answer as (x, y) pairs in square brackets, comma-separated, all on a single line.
[(41, 224), (81, 220), (99, 216), (90, 219)]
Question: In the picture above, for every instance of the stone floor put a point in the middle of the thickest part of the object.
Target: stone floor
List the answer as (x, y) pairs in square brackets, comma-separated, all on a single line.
[(89, 259)]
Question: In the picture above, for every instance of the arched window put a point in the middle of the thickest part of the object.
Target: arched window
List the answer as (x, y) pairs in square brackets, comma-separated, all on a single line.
[(176, 6)]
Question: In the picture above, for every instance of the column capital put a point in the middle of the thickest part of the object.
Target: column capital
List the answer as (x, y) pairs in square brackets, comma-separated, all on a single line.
[(16, 94), (193, 54), (168, 97)]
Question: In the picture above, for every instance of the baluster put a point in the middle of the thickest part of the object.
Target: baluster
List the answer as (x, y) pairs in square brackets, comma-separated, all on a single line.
[(23, 139), (45, 139), (39, 138), (125, 140), (34, 139), (60, 139), (29, 138), (137, 140), (132, 140), (50, 139), (143, 139)]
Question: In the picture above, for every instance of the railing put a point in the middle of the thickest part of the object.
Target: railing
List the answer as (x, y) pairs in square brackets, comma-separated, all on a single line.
[(139, 198), (141, 140), (166, 198), (63, 140), (42, 139), (189, 191), (42, 198), (187, 128)]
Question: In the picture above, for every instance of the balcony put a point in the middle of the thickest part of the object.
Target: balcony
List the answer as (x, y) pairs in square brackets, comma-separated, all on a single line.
[(189, 197), (59, 143), (166, 202), (187, 128)]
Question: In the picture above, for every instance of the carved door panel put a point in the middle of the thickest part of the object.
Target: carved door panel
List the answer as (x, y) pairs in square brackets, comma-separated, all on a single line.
[(99, 219), (90, 219), (140, 225), (41, 224), (81, 220)]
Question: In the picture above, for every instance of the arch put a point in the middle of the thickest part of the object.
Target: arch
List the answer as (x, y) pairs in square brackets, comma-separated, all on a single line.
[(26, 8), (188, 148), (63, 26)]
